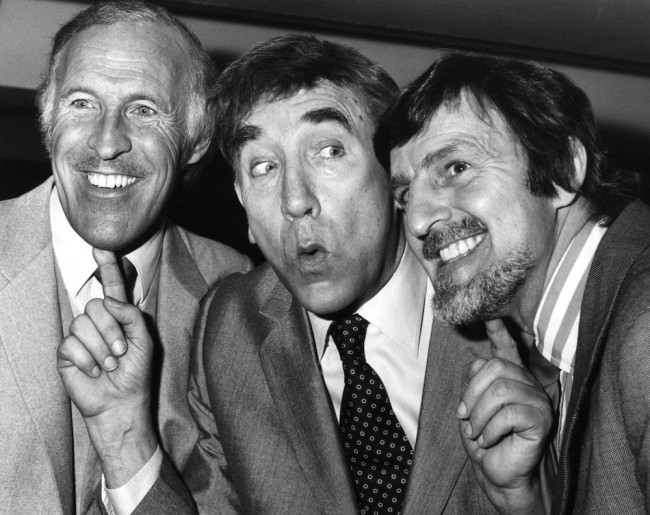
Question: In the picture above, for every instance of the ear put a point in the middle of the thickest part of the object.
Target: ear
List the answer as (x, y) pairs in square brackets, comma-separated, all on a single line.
[(238, 191), (251, 238), (200, 148), (563, 197)]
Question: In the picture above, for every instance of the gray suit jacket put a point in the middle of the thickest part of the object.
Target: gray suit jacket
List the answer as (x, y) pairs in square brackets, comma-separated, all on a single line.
[(605, 455), (36, 464), (269, 436)]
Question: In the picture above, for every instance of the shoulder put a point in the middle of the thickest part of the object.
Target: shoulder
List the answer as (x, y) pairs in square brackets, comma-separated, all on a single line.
[(29, 217), (243, 292), (627, 354), (28, 205), (630, 229), (239, 308), (213, 258)]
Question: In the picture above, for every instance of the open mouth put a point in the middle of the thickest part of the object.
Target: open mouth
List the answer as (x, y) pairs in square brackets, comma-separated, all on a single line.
[(312, 254), (460, 248), (110, 181)]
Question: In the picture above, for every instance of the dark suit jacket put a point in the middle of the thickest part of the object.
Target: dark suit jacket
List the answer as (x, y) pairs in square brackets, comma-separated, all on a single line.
[(605, 454), (36, 460), (269, 435)]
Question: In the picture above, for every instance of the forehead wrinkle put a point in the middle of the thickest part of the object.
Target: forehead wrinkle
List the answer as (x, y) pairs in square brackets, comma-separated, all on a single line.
[(328, 114)]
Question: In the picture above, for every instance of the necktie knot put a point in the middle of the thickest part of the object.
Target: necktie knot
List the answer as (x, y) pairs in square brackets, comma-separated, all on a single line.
[(349, 334)]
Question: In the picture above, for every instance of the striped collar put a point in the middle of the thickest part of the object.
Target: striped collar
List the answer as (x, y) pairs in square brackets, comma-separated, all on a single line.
[(558, 315)]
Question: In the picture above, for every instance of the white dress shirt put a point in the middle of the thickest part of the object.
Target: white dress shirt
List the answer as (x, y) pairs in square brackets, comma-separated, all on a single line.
[(73, 256), (396, 344)]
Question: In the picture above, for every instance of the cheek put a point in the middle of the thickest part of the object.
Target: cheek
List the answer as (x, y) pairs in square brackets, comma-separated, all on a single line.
[(65, 137), (160, 155), (171, 136), (264, 220)]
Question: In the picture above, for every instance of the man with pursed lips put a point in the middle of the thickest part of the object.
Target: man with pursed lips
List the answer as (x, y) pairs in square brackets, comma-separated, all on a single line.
[(125, 108)]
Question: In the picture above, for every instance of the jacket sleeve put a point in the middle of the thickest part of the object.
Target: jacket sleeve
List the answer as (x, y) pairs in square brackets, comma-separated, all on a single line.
[(168, 495), (633, 380), (206, 471)]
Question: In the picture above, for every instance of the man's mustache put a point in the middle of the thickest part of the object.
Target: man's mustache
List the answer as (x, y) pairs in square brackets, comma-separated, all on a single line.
[(92, 163), (456, 230)]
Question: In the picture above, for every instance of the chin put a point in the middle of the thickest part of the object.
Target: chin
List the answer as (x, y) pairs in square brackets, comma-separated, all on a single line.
[(487, 295), (324, 302), (112, 242)]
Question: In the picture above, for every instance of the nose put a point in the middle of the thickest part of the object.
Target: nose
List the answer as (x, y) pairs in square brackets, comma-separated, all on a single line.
[(109, 137), (299, 197), (427, 205)]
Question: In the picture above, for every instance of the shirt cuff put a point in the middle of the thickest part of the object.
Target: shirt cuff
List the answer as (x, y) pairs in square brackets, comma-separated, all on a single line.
[(125, 499)]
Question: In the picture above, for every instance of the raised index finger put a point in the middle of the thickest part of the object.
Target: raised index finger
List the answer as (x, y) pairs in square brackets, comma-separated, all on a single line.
[(112, 279), (502, 344)]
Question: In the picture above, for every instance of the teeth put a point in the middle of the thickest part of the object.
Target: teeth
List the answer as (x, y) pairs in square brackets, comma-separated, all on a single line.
[(110, 181), (460, 248)]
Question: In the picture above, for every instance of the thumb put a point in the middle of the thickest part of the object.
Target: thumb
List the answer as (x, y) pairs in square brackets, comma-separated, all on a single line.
[(131, 321), (502, 344)]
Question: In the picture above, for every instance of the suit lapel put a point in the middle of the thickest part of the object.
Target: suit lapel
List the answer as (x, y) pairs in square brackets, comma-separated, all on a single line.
[(299, 393), (30, 331), (622, 244), (439, 453), (182, 287)]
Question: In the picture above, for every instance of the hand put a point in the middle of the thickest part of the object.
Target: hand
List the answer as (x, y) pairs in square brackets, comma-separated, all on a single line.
[(505, 419), (105, 366)]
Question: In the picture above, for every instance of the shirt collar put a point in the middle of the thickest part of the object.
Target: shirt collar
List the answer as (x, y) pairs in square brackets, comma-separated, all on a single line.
[(558, 315), (396, 310), (75, 259)]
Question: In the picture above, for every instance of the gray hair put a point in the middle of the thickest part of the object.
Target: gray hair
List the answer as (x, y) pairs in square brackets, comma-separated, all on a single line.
[(202, 69)]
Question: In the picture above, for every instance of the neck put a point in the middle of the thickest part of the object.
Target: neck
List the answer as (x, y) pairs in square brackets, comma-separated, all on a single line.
[(569, 221), (393, 256)]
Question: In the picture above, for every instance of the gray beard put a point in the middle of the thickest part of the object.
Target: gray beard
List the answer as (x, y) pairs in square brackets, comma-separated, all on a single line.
[(486, 295)]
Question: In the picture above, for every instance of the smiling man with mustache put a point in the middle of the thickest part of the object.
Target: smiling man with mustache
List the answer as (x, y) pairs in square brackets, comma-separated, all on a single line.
[(125, 108), (520, 221)]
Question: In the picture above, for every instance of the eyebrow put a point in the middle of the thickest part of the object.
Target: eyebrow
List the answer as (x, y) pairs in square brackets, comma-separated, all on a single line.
[(327, 114), (132, 98), (398, 180), (244, 134)]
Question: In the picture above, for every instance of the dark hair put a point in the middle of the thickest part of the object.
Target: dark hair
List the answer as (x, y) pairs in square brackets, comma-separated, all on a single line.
[(281, 67), (543, 110), (202, 70)]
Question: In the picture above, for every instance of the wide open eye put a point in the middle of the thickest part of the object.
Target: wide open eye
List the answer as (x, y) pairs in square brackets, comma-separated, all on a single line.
[(144, 111), (263, 168), (331, 152), (457, 167), (81, 103)]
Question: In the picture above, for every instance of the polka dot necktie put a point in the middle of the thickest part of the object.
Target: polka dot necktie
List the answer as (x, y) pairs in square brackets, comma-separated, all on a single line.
[(377, 450)]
